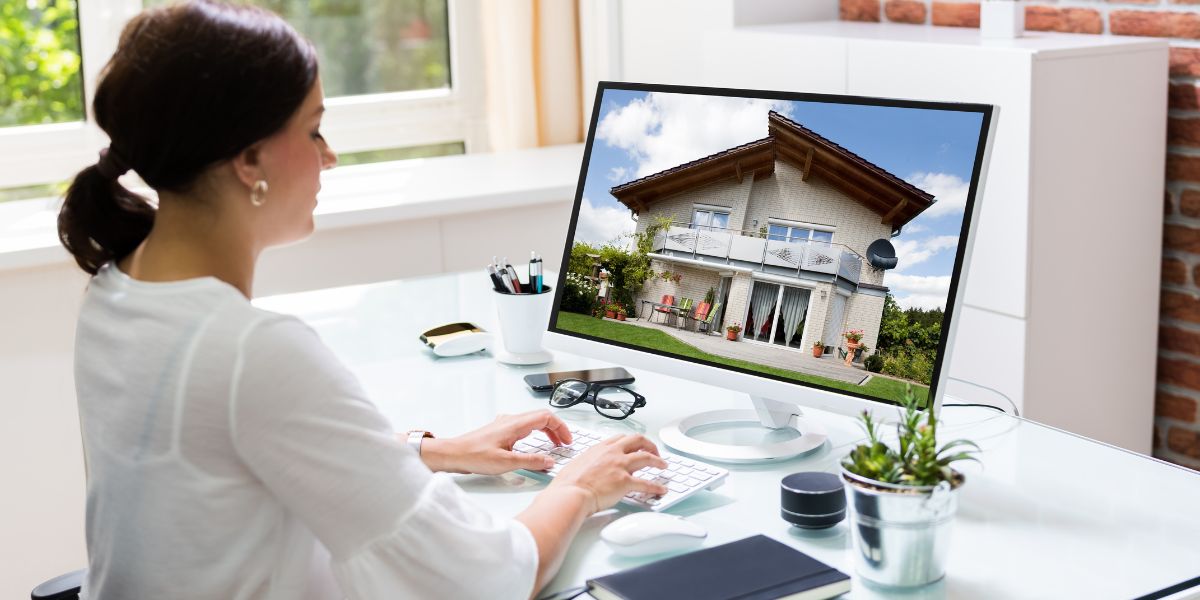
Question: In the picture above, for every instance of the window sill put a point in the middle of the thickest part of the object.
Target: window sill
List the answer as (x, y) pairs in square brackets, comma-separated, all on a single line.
[(357, 195)]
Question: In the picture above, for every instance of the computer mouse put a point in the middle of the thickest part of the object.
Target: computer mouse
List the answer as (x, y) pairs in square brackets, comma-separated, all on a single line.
[(646, 533)]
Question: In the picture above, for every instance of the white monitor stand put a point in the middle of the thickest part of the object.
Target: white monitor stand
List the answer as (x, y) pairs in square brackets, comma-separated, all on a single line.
[(769, 413)]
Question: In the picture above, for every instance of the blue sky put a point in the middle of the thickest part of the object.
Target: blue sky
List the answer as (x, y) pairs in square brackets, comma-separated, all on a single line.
[(641, 133)]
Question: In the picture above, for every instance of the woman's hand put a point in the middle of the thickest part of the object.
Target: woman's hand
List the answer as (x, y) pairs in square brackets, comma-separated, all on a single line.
[(606, 470), (488, 450)]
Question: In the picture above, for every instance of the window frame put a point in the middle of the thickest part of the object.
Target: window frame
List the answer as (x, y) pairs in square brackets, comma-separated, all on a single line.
[(40, 154), (712, 211), (812, 228)]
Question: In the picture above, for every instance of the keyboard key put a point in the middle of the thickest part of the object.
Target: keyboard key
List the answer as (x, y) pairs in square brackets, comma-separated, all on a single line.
[(691, 482), (675, 486)]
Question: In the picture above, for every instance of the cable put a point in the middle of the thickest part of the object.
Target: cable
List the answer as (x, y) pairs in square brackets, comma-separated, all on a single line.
[(1015, 410)]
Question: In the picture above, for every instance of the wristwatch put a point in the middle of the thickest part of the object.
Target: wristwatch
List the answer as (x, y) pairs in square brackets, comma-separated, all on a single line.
[(415, 437)]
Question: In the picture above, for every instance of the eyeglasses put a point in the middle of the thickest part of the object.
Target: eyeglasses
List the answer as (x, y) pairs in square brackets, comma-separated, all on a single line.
[(612, 401)]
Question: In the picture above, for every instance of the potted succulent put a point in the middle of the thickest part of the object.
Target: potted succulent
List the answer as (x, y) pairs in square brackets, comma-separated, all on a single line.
[(818, 348), (732, 331), (860, 351), (621, 312), (902, 500), (610, 311)]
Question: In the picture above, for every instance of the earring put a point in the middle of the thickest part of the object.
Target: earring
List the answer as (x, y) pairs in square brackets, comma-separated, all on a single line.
[(258, 193)]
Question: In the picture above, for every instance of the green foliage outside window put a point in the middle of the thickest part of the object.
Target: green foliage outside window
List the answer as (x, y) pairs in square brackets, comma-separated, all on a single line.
[(39, 62), (908, 340)]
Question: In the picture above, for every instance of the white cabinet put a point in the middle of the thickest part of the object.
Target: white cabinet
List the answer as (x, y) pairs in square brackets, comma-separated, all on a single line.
[(1061, 306)]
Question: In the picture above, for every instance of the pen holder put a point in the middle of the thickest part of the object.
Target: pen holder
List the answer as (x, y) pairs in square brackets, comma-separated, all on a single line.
[(523, 319)]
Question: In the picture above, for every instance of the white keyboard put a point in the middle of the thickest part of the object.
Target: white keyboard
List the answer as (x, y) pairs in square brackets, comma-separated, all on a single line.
[(683, 477)]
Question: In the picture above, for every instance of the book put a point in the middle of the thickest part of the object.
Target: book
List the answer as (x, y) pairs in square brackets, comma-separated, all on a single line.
[(754, 568)]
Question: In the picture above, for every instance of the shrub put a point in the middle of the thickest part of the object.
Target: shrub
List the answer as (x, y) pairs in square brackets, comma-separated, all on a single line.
[(909, 362), (579, 295), (873, 363)]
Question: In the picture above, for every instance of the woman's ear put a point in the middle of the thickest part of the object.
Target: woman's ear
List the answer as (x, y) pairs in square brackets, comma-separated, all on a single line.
[(247, 165)]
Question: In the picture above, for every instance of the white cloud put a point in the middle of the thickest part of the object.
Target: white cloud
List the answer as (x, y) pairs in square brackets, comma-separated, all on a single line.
[(914, 252), (617, 175), (950, 191), (599, 225), (666, 130), (914, 291), (917, 228)]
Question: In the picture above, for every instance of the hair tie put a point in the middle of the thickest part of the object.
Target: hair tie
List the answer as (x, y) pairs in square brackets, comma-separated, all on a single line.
[(110, 165)]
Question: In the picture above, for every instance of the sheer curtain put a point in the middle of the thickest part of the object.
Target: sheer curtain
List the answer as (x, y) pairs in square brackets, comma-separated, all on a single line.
[(795, 303), (532, 73), (761, 303)]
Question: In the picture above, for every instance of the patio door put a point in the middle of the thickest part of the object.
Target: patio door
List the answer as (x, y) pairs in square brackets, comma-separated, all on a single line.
[(722, 297), (777, 313), (833, 324)]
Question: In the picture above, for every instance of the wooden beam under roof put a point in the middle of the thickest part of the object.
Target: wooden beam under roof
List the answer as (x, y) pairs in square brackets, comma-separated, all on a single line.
[(737, 168), (887, 219), (807, 168)]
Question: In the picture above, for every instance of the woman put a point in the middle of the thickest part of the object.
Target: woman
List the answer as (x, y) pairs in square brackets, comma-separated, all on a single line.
[(230, 454)]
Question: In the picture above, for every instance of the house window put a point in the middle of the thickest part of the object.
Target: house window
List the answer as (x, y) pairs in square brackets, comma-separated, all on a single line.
[(709, 219), (396, 75), (798, 233)]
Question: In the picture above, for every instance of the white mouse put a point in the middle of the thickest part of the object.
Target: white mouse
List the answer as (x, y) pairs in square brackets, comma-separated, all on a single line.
[(646, 533)]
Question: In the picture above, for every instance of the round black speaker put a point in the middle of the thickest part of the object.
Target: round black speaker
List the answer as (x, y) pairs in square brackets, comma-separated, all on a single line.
[(812, 500)]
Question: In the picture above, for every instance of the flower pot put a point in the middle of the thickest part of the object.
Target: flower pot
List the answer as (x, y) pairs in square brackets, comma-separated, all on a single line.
[(901, 534), (731, 336), (620, 317), (818, 351), (610, 314)]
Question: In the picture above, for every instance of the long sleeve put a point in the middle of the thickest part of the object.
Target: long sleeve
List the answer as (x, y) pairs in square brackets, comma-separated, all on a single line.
[(302, 424)]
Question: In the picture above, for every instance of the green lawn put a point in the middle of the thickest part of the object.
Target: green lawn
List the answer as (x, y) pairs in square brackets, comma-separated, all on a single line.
[(881, 387)]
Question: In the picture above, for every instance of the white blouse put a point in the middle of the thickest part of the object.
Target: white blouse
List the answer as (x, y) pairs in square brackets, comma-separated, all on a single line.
[(231, 455)]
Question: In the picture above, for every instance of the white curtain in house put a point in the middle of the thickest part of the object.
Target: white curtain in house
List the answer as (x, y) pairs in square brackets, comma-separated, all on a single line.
[(795, 304), (532, 73), (761, 304)]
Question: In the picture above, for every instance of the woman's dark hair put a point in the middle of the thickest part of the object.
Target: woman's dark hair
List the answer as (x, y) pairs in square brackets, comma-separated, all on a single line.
[(190, 85)]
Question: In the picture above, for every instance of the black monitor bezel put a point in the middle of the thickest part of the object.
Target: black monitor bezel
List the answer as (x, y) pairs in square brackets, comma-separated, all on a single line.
[(986, 110)]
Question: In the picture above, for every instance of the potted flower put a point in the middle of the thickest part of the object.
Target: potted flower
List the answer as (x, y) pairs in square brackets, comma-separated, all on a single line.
[(818, 348), (860, 351), (902, 501), (853, 337), (621, 312), (610, 311), (732, 331)]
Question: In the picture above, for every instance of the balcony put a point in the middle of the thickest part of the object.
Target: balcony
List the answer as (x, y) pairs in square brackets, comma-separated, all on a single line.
[(746, 248)]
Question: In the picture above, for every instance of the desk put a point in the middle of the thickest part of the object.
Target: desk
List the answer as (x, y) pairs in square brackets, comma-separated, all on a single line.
[(1047, 515)]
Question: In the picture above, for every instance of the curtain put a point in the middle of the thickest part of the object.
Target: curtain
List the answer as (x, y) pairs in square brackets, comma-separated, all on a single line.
[(795, 303), (761, 303), (532, 73)]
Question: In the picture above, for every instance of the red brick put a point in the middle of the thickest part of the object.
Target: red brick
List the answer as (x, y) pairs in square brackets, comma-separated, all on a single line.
[(1174, 407), (1174, 271), (1154, 23), (859, 10), (1172, 1), (1068, 20), (1176, 305), (956, 14), (1176, 339), (1180, 373), (1185, 61), (1183, 131), (1189, 203), (905, 11), (1157, 439), (1167, 203), (1133, 1), (1183, 168), (1184, 441), (1184, 96), (1182, 238)]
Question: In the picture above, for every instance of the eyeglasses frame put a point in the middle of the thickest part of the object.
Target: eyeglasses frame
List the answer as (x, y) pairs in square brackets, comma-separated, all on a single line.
[(592, 392)]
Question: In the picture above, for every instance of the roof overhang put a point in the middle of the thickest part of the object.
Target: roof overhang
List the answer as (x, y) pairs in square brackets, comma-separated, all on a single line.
[(755, 159)]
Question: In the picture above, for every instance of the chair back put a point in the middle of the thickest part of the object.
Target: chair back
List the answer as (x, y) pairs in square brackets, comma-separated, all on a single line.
[(685, 304), (668, 299), (712, 312), (702, 311)]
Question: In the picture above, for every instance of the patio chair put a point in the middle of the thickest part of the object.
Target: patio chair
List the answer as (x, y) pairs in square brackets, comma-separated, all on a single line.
[(706, 322), (682, 311), (700, 313), (666, 305)]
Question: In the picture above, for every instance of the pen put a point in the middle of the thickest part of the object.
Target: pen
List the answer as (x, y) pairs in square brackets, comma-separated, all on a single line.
[(497, 283), (535, 272), (508, 283), (512, 274)]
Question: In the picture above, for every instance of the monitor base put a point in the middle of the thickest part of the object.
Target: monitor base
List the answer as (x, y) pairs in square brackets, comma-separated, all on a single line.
[(770, 413)]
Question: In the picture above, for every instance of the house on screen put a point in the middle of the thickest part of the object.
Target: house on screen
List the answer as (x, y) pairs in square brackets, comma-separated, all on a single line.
[(779, 229)]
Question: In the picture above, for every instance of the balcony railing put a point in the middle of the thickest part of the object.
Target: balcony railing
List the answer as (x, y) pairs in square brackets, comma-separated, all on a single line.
[(729, 245)]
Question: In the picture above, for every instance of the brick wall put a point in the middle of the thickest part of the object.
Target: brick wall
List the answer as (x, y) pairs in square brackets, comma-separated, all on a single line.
[(1176, 429)]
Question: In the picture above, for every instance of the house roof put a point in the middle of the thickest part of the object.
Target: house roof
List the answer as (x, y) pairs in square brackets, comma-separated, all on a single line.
[(895, 200)]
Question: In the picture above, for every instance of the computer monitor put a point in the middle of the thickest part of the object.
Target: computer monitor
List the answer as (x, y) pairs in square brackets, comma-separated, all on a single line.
[(807, 249)]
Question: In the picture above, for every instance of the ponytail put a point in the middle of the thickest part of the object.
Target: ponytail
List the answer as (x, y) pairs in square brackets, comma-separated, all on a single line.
[(101, 221)]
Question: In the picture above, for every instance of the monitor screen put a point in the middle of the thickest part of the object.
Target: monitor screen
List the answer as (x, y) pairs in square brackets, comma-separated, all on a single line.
[(810, 239)]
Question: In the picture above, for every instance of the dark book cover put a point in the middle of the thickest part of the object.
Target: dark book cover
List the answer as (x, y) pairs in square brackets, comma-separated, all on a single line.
[(754, 568)]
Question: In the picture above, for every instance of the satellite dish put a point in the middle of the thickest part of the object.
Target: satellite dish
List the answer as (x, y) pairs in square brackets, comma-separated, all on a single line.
[(881, 254)]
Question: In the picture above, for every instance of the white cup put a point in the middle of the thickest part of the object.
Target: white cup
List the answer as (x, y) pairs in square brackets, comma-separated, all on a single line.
[(523, 319)]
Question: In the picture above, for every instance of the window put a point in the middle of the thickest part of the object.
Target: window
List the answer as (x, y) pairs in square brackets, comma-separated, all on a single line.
[(799, 233), (398, 74), (709, 220)]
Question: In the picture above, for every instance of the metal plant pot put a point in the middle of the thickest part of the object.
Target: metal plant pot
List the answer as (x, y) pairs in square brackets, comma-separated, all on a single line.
[(901, 533)]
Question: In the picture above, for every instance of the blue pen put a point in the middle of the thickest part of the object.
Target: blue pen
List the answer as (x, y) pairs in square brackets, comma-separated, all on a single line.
[(535, 272)]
